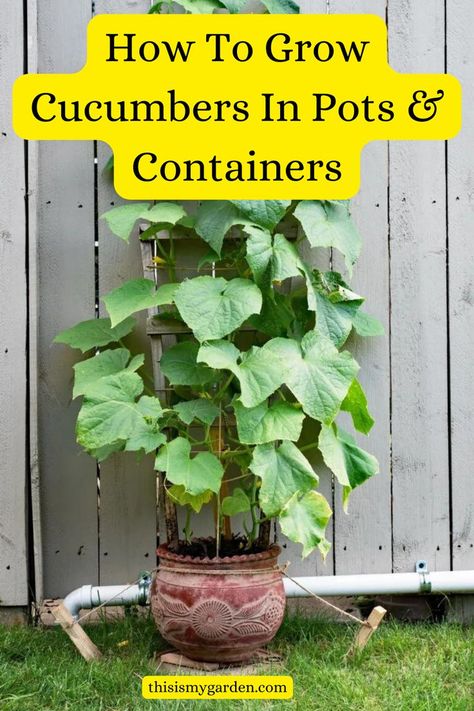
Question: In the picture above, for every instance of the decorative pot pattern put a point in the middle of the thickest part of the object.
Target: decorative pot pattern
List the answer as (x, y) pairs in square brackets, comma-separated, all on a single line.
[(218, 611)]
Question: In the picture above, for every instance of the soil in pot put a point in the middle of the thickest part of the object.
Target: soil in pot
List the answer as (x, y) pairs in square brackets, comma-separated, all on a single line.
[(218, 609)]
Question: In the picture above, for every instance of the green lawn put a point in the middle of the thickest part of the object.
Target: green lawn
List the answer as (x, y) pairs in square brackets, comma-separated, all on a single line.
[(404, 667)]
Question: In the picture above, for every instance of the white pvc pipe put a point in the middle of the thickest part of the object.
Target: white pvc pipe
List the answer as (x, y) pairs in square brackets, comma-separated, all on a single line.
[(89, 596), (461, 581)]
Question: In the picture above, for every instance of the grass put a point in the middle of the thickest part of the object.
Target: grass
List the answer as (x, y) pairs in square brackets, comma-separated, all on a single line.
[(423, 667)]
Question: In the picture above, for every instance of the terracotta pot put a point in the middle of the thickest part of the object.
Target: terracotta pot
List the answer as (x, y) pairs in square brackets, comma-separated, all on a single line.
[(218, 609)]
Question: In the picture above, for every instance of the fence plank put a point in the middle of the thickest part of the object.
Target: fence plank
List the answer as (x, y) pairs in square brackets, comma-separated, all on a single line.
[(128, 486), (313, 565), (363, 537), (13, 324), (460, 62), (418, 321), (66, 289)]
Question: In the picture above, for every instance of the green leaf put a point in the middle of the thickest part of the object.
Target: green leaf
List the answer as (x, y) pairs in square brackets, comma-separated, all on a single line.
[(271, 258), (350, 464), (180, 366), (366, 325), (184, 498), (203, 410), (315, 372), (136, 295), (164, 213), (121, 220), (198, 474), (304, 520), (110, 414), (262, 424), (234, 6), (259, 372), (95, 333), (213, 308), (88, 372), (328, 223), (355, 402), (276, 315), (284, 471), (336, 306), (264, 213), (213, 221), (220, 355), (199, 6), (239, 502)]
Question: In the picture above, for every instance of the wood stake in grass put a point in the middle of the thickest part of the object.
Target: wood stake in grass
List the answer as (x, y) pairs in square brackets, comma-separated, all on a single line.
[(366, 632), (77, 635)]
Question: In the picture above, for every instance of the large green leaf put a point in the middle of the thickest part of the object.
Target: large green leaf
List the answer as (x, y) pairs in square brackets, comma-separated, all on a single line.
[(213, 221), (259, 372), (284, 471), (184, 498), (271, 257), (197, 474), (121, 220), (179, 364), (262, 424), (304, 520), (264, 213), (328, 223), (315, 372), (336, 306), (355, 402), (164, 213), (237, 503), (110, 413), (88, 372), (350, 464), (95, 333), (136, 295), (203, 410), (213, 308)]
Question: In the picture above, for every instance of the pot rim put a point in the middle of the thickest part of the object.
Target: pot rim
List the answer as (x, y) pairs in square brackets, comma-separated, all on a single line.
[(236, 560)]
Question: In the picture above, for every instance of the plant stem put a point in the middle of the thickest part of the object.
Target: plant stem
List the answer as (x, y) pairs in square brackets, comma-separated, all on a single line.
[(187, 525), (218, 523), (307, 447), (220, 392)]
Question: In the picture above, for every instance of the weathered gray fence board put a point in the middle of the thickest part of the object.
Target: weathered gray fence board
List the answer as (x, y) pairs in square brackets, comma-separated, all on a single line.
[(66, 289), (418, 320), (127, 514), (460, 62), (363, 537), (13, 324)]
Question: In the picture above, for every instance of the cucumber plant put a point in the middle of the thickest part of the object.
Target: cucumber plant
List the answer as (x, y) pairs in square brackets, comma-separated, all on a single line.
[(263, 357)]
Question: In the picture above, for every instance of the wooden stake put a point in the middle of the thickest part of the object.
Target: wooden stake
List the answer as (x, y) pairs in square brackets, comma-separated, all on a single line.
[(366, 632), (77, 635)]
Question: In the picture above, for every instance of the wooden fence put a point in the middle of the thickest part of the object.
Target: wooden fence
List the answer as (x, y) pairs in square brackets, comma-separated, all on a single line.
[(62, 521)]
